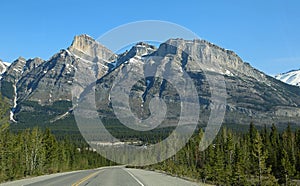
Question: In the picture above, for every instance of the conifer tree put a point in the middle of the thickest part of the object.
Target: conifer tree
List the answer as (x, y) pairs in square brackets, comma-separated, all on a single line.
[(51, 149), (297, 151), (259, 157), (238, 174), (288, 168), (274, 152)]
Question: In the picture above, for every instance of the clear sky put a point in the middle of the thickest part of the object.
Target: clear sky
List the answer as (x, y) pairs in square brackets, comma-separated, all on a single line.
[(265, 33)]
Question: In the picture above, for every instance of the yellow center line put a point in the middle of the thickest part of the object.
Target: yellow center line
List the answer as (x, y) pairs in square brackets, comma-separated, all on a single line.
[(85, 178)]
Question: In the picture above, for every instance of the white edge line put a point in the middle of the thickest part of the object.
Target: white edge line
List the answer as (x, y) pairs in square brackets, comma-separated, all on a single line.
[(135, 178)]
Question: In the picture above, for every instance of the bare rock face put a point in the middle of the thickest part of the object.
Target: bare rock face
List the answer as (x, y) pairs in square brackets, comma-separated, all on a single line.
[(15, 70), (47, 82), (87, 48), (32, 64), (209, 55)]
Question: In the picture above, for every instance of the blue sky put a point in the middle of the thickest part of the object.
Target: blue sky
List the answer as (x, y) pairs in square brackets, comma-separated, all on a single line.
[(264, 33)]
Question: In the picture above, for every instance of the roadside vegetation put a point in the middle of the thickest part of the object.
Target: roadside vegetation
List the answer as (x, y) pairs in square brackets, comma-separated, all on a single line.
[(34, 152), (255, 157)]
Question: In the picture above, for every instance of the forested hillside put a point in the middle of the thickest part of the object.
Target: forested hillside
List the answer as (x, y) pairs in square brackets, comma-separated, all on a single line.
[(265, 157)]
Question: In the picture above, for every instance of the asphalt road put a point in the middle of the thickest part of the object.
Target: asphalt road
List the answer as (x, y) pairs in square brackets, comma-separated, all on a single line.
[(108, 176)]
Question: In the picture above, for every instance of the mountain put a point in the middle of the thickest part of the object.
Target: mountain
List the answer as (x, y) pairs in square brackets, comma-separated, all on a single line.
[(291, 77), (251, 94), (41, 90)]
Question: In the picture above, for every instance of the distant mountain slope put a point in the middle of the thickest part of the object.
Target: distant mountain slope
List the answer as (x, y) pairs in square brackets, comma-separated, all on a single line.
[(291, 77)]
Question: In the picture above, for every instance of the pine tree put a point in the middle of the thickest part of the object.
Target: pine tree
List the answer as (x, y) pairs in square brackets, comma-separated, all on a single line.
[(238, 174), (209, 173), (266, 141), (51, 148), (199, 155), (219, 163), (288, 143), (259, 157), (288, 167), (274, 151), (63, 159), (36, 151), (288, 160), (252, 134), (228, 154), (7, 154), (297, 151)]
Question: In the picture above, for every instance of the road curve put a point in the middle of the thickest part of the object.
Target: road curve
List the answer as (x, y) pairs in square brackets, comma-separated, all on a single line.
[(108, 176)]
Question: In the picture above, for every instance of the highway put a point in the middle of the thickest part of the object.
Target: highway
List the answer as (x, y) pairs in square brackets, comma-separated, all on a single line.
[(107, 176)]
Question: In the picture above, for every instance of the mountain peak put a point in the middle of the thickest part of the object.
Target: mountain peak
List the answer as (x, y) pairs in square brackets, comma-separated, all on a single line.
[(82, 37), (33, 63), (20, 62), (21, 59), (81, 42), (141, 49), (86, 36), (86, 47)]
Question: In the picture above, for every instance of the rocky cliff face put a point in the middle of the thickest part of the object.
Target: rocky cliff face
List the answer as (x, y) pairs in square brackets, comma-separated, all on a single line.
[(37, 85), (15, 70), (87, 48)]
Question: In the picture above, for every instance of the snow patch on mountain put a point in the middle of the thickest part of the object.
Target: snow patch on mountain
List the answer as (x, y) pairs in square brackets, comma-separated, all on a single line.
[(3, 67), (7, 63), (291, 77), (11, 116)]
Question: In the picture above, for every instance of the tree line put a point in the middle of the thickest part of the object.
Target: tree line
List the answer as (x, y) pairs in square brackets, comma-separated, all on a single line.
[(257, 157), (33, 152)]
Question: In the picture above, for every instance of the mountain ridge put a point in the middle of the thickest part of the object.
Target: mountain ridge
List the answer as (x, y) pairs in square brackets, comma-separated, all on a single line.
[(252, 95)]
